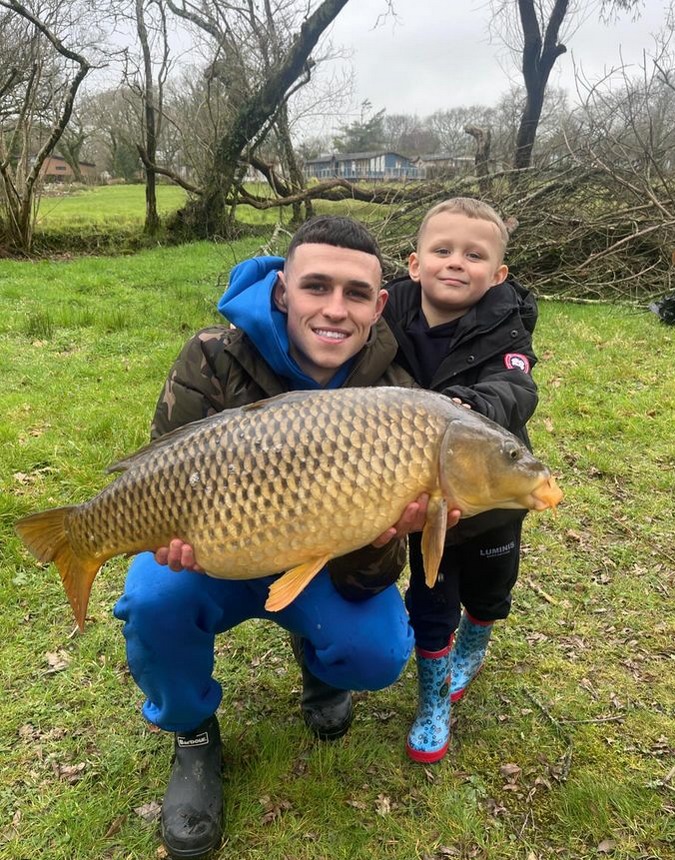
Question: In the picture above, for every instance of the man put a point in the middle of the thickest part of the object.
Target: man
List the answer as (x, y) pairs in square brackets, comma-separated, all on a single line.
[(311, 321)]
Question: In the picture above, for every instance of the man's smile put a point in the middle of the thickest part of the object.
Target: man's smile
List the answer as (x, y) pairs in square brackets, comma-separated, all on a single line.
[(331, 333)]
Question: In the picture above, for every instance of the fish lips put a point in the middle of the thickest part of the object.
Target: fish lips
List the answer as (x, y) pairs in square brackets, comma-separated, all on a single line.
[(547, 495)]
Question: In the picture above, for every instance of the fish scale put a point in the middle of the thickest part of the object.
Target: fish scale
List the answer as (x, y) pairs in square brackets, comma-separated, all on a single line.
[(288, 483)]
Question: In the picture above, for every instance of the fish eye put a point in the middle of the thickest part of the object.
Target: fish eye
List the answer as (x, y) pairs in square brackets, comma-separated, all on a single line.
[(513, 452)]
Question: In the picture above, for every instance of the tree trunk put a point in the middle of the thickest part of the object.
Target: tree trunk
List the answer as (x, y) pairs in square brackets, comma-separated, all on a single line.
[(295, 174), (70, 150), (483, 138), (151, 216), (538, 60)]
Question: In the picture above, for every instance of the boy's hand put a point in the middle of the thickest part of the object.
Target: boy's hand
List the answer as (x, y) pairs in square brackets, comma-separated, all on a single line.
[(178, 556), (412, 520), (461, 403)]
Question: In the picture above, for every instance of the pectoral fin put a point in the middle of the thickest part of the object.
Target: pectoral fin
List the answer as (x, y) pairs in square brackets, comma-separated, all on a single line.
[(433, 538), (287, 587)]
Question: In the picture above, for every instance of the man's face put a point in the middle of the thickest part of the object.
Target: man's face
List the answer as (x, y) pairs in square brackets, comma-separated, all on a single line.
[(332, 296), (457, 261)]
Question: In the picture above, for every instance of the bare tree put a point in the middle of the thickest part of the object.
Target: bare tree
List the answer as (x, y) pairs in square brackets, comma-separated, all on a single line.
[(151, 91), (205, 215), (58, 83), (538, 39)]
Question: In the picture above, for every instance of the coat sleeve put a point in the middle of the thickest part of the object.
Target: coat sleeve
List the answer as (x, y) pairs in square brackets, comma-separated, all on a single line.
[(368, 571), (193, 390), (502, 391)]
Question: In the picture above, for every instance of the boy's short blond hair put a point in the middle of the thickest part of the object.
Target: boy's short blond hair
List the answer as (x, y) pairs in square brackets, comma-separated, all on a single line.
[(470, 207)]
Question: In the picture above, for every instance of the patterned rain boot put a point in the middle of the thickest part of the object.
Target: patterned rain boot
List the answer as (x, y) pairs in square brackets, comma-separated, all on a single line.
[(192, 811), (429, 735), (327, 711), (468, 653)]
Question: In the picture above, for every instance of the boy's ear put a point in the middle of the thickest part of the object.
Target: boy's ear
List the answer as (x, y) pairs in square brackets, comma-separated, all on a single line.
[(414, 266), (279, 294), (500, 275)]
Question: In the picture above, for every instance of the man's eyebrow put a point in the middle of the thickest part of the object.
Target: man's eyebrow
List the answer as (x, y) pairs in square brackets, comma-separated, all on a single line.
[(323, 278)]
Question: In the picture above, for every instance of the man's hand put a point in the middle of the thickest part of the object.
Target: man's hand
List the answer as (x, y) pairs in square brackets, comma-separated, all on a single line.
[(178, 556), (412, 520)]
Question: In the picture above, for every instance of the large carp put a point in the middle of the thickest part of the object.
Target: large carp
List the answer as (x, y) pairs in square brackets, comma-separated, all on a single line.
[(288, 483)]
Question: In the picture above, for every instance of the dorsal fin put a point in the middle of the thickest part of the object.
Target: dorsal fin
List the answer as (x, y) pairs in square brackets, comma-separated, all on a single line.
[(286, 397), (188, 429), (171, 437)]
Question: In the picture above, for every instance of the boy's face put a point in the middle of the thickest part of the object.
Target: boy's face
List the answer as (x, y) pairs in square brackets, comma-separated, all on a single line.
[(332, 296), (457, 260)]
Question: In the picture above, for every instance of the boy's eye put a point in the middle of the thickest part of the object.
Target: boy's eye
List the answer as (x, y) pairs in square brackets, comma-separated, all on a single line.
[(442, 252), (359, 295), (474, 255), (314, 288)]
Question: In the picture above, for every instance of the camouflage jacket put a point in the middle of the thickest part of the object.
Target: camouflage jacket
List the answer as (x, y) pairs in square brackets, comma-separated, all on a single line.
[(220, 368)]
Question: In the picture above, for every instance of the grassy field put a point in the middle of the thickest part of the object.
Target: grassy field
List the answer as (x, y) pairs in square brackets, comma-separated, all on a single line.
[(112, 217), (562, 749)]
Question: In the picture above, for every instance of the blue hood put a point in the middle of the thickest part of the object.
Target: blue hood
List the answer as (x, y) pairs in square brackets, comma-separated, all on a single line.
[(247, 303)]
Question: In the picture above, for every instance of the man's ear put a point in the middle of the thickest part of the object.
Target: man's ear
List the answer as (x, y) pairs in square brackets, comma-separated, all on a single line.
[(382, 298), (414, 266), (500, 275), (279, 294)]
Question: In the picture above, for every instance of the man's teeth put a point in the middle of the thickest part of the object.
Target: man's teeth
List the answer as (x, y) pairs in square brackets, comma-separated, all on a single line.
[(334, 335)]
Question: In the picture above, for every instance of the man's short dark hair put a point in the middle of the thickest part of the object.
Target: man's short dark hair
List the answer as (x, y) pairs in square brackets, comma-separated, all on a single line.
[(335, 230)]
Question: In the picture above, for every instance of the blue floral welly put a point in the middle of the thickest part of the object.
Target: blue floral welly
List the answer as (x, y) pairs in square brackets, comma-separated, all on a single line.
[(429, 736), (468, 653)]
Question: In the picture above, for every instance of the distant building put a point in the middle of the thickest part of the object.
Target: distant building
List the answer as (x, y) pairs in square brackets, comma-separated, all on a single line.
[(55, 168), (444, 163), (381, 164)]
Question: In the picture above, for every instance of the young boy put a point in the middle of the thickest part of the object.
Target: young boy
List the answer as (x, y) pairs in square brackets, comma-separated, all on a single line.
[(463, 329)]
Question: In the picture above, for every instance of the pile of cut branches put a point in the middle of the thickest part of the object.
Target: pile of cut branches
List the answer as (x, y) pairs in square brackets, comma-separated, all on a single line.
[(576, 231)]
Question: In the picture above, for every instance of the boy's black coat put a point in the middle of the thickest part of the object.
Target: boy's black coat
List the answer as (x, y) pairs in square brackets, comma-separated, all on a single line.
[(475, 368)]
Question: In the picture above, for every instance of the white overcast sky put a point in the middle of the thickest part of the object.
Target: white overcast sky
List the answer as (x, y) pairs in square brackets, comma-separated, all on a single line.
[(438, 53)]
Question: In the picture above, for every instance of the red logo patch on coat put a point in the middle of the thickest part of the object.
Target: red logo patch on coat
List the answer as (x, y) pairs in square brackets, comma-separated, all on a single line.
[(517, 361)]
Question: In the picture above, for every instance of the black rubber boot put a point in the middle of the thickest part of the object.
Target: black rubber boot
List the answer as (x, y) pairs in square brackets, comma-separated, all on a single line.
[(327, 711), (192, 811)]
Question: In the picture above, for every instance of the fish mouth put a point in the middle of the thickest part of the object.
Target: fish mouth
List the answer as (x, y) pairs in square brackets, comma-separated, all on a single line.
[(547, 495)]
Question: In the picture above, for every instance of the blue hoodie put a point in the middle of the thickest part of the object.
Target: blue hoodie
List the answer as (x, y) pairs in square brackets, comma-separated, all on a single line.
[(248, 304)]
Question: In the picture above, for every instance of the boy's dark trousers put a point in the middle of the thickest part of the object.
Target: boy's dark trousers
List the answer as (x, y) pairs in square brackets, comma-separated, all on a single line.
[(478, 574)]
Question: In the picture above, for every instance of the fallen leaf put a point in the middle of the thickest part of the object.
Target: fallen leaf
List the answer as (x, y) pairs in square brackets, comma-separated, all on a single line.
[(57, 660), (606, 846), (357, 804), (273, 809), (115, 826), (494, 808), (70, 772), (382, 805), (510, 771), (548, 425), (148, 811)]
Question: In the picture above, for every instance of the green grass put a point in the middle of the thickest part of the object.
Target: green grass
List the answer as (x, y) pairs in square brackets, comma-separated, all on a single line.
[(121, 205), (578, 689), (110, 218)]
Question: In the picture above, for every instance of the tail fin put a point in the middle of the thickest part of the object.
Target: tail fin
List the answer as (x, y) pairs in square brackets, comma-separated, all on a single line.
[(45, 536)]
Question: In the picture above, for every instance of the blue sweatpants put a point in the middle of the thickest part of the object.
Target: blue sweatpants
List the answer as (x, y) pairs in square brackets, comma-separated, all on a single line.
[(171, 620)]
